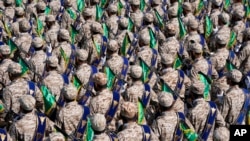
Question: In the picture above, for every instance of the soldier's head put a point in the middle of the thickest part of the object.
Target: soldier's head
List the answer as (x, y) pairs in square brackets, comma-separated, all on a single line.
[(172, 12), (221, 134), (148, 18), (135, 72), (246, 34), (216, 4), (170, 30), (112, 48), (112, 9), (129, 112), (100, 80), (196, 50), (19, 12), (56, 136), (223, 19), (63, 35), (81, 56), (144, 38), (234, 77), (40, 7), (8, 3), (38, 43), (27, 103), (98, 123), (166, 101), (167, 61), (135, 4), (67, 3), (52, 63), (96, 28), (238, 15), (197, 89), (187, 8), (87, 14), (123, 23), (221, 41), (50, 20), (24, 26), (155, 3), (5, 51), (15, 71), (69, 92), (192, 25)]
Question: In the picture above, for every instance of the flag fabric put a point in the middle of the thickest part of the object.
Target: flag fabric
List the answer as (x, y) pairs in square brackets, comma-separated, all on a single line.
[(125, 44), (188, 133), (230, 66), (141, 115), (119, 7), (130, 24), (71, 13), (1, 108), (247, 11), (142, 5), (232, 40), (105, 30), (73, 33), (76, 82), (97, 48), (47, 10), (226, 4), (153, 41), (145, 71), (80, 5), (111, 77), (199, 8), (49, 99), (7, 29), (12, 46), (99, 12), (177, 62), (208, 27), (39, 26), (166, 88), (159, 19), (19, 3), (89, 131), (103, 3), (183, 31), (65, 57), (207, 83), (25, 67), (180, 9)]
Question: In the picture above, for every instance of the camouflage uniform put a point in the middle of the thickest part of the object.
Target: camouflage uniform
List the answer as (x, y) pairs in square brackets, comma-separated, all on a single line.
[(136, 16), (9, 11), (51, 33), (19, 11), (239, 25), (244, 54), (55, 136), (214, 16), (221, 134), (67, 20), (172, 12), (112, 21), (189, 15)]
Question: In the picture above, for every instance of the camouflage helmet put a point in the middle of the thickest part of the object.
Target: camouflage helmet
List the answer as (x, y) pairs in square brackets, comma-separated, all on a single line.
[(234, 75), (27, 102), (38, 42), (100, 78), (15, 69), (24, 25), (52, 61), (136, 71), (129, 110), (165, 99), (69, 92), (197, 87), (5, 50), (82, 54), (113, 45), (41, 5), (98, 122)]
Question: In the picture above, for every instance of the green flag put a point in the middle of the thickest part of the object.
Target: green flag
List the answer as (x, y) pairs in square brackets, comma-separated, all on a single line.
[(65, 57), (105, 30), (103, 3), (142, 5), (226, 4), (25, 67), (99, 13), (49, 100), (177, 62), (130, 24), (39, 26), (145, 71), (199, 8), (97, 47), (89, 131), (207, 82), (208, 27), (153, 41), (71, 13), (180, 10), (80, 5), (12, 46), (230, 66), (7, 29), (183, 31), (111, 77), (1, 108), (119, 7), (19, 3), (76, 82), (166, 88), (125, 45), (159, 19), (232, 40), (47, 10), (189, 134), (247, 14), (73, 33), (141, 115)]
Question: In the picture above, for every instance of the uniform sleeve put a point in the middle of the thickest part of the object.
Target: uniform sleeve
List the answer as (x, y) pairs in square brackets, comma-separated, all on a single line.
[(219, 121), (49, 126), (13, 132), (243, 54), (153, 136), (39, 99), (7, 98), (225, 107), (189, 124), (214, 73), (155, 129)]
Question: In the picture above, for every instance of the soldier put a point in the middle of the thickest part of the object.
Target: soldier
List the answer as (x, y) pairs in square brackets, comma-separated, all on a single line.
[(234, 100), (69, 15), (223, 28), (158, 6), (131, 130), (172, 15), (38, 60), (244, 53), (19, 16), (6, 61), (221, 134), (55, 136), (98, 124), (30, 8), (112, 20), (136, 14), (9, 11), (216, 11), (238, 24), (203, 111), (40, 9), (27, 127), (18, 87), (168, 123), (70, 117), (187, 11), (175, 79), (51, 33)]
